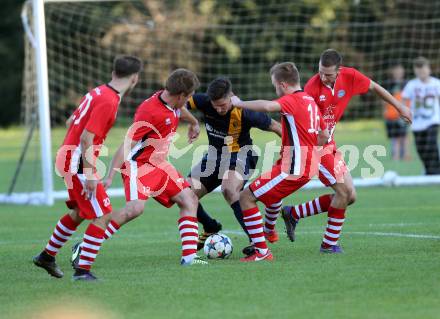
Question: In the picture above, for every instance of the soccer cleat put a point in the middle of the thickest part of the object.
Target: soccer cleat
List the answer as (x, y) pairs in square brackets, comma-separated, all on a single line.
[(249, 250), (289, 221), (76, 252), (197, 260), (83, 275), (272, 236), (202, 238), (258, 257), (335, 249), (48, 263)]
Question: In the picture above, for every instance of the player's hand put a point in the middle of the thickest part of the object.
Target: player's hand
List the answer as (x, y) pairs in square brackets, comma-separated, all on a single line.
[(89, 189), (235, 100), (107, 182), (405, 114), (193, 132)]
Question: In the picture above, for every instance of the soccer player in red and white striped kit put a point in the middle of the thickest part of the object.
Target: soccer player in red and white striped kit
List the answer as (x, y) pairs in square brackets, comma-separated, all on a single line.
[(146, 172), (303, 130), (76, 162), (332, 89)]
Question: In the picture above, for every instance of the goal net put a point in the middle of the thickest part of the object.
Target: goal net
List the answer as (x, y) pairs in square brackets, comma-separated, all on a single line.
[(241, 40)]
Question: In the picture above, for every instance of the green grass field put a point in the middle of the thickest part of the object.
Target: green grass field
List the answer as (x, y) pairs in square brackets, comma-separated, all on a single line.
[(390, 268)]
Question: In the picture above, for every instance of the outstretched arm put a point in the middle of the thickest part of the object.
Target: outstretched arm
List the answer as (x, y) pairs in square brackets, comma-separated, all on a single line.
[(387, 97), (193, 128), (116, 163), (257, 105)]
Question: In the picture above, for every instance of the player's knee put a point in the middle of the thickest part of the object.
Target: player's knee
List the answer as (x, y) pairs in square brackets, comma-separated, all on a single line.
[(343, 193), (193, 200), (187, 201), (102, 221), (245, 197), (106, 219), (74, 214), (134, 210), (352, 197), (230, 195)]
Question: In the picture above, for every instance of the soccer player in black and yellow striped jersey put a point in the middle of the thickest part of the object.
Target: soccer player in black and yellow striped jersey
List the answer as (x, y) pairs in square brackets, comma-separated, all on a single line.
[(230, 159)]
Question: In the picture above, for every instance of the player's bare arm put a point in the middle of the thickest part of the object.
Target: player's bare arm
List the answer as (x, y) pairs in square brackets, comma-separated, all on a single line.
[(115, 165), (275, 127), (86, 145), (194, 127), (388, 98), (257, 105), (69, 121)]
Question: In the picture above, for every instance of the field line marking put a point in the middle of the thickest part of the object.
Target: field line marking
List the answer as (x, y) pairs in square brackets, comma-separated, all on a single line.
[(233, 232), (419, 236)]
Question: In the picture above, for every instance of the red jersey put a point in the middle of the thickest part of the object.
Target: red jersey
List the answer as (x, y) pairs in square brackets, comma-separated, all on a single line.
[(96, 113), (301, 122), (154, 126), (333, 101)]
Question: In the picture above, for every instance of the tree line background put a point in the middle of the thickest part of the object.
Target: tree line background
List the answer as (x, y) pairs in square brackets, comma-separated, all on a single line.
[(240, 39)]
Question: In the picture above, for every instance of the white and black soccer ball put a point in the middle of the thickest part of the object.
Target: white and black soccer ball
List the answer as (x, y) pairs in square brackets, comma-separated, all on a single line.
[(218, 246)]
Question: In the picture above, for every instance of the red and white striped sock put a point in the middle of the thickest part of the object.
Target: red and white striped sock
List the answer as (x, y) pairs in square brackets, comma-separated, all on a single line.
[(270, 217), (254, 225), (64, 229), (336, 218), (112, 228), (315, 206), (92, 241), (189, 233)]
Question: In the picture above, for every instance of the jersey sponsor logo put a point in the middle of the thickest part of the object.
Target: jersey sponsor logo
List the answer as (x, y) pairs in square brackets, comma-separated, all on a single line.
[(106, 202), (208, 127), (146, 190), (167, 121), (341, 93), (322, 98)]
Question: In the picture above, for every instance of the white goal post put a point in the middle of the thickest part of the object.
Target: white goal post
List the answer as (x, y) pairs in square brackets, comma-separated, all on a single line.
[(37, 40), (34, 24)]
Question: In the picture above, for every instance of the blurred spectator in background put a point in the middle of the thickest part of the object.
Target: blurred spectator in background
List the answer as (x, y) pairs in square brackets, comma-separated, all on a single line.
[(395, 126), (423, 95)]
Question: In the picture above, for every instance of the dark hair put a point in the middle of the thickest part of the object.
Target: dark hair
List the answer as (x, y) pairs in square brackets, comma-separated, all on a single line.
[(285, 72), (420, 62), (182, 81), (330, 58), (219, 88), (126, 65), (396, 65)]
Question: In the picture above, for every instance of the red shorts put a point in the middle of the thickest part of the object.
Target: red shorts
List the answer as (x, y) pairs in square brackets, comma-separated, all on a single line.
[(143, 180), (332, 167), (271, 187), (99, 205)]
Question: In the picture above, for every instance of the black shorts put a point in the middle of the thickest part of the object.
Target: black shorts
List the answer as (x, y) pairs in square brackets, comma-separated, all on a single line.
[(211, 169), (396, 128)]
